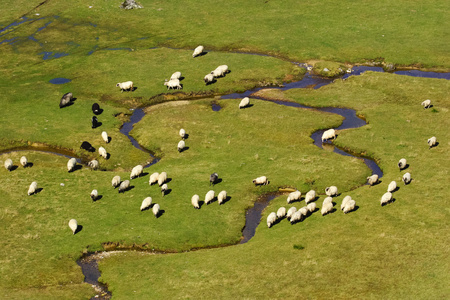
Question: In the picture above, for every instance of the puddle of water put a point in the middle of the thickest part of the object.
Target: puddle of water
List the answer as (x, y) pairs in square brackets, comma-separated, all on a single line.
[(216, 107), (59, 80), (49, 55)]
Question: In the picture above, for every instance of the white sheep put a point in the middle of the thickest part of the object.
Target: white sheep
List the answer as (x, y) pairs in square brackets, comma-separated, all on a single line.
[(105, 136), (373, 179), (146, 203), (261, 181), (65, 100), (271, 218), (296, 217), (345, 200), (156, 210), (32, 189), (94, 195), (386, 198), (24, 161), (281, 212), (182, 133), (173, 83), (115, 182), (401, 164), (426, 103), (331, 191), (136, 171), (162, 178), (195, 201), (153, 178), (327, 208), (102, 152), (197, 51), (220, 71), (222, 197), (71, 164), (329, 134), (209, 197), (176, 75), (124, 186), (310, 196), (164, 189), (392, 186), (311, 207), (290, 212), (93, 164), (127, 85), (327, 200), (209, 78), (293, 196), (349, 206), (8, 164), (181, 146), (244, 102), (73, 225), (432, 142), (406, 178), (303, 210)]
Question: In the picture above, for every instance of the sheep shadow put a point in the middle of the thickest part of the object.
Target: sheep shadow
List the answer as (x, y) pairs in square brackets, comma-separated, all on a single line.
[(201, 54), (181, 78), (226, 200), (108, 156), (331, 211), (355, 209), (68, 104), (396, 189), (143, 174), (376, 183), (109, 140), (99, 112), (37, 191), (200, 204), (133, 89), (168, 180), (28, 165), (167, 192), (406, 167), (435, 145), (184, 149), (186, 136), (127, 189), (160, 213), (212, 201), (147, 208), (392, 201), (218, 180), (96, 125), (247, 106), (211, 82), (79, 228), (98, 198), (76, 168), (278, 220), (14, 167)]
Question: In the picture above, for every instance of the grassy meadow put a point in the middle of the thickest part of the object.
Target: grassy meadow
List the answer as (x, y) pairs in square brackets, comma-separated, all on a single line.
[(399, 251)]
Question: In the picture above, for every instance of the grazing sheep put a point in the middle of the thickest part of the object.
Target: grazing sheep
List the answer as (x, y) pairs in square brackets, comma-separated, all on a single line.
[(95, 122), (93, 164), (327, 208), (244, 102), (125, 185), (310, 196), (221, 197), (136, 171), (164, 189), (173, 83), (182, 133), (327, 200), (303, 210), (181, 145), (290, 212), (349, 206), (24, 161), (87, 146), (371, 180), (96, 109), (197, 51), (220, 71), (71, 164), (296, 217), (406, 178), (146, 203), (392, 186), (261, 181), (329, 134), (153, 178), (281, 212), (311, 207), (271, 218), (73, 225), (105, 137), (115, 182), (195, 201), (176, 75), (8, 164), (32, 189), (402, 164), (213, 178), (162, 178), (426, 103), (209, 78), (432, 142), (65, 100), (102, 152), (94, 195), (127, 85), (156, 210), (209, 197), (344, 201), (294, 196), (331, 191), (386, 198)]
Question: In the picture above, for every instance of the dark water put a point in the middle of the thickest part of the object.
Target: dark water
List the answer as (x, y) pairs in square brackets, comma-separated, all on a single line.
[(60, 80), (89, 268)]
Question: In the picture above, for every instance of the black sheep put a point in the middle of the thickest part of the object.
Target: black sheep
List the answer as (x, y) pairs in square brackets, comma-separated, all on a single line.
[(95, 122), (65, 100), (96, 109), (87, 146), (213, 178)]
